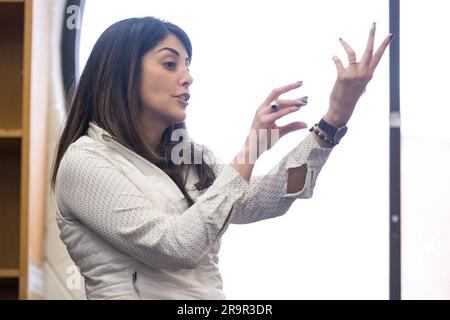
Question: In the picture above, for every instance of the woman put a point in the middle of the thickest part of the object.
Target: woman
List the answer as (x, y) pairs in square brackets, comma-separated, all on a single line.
[(137, 221)]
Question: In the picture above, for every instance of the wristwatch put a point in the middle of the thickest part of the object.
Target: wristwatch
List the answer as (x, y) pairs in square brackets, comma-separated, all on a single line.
[(334, 134)]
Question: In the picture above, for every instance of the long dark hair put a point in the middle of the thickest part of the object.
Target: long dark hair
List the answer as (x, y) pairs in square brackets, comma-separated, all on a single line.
[(108, 93)]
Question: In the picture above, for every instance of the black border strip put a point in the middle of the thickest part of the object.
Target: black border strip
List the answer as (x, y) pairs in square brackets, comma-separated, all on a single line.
[(394, 155)]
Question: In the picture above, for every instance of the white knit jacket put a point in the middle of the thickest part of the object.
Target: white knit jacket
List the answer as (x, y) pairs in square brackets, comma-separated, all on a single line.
[(130, 231)]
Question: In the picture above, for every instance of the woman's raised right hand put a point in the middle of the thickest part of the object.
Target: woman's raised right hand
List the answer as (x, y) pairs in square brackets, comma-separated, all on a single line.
[(264, 132), (264, 120)]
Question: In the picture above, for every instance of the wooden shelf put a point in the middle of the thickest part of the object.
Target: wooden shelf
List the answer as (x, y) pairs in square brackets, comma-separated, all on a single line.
[(9, 273), (11, 114), (22, 182), (10, 133)]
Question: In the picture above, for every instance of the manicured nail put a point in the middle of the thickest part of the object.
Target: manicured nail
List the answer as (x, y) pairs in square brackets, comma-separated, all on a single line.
[(300, 82), (303, 100), (374, 25), (391, 36), (340, 39)]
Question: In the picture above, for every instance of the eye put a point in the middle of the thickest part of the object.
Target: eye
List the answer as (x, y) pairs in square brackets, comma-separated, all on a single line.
[(170, 65)]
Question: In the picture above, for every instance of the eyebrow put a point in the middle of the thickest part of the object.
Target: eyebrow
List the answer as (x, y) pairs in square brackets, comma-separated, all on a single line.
[(173, 51)]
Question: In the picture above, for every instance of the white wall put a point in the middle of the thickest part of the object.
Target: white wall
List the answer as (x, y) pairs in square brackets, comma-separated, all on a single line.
[(426, 149)]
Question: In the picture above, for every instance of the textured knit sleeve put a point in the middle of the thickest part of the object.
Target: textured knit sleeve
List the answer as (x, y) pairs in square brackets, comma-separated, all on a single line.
[(267, 195), (91, 190)]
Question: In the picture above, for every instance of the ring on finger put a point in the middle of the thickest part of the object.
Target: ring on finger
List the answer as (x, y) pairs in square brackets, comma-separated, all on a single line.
[(352, 62), (274, 106)]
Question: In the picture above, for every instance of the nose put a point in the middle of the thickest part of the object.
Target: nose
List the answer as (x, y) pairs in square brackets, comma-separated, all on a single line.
[(186, 79)]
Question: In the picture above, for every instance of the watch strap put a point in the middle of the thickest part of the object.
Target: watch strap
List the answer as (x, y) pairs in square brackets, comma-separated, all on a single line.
[(322, 137), (327, 128)]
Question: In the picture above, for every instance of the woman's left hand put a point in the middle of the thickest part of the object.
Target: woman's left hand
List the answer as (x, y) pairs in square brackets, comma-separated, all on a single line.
[(352, 81)]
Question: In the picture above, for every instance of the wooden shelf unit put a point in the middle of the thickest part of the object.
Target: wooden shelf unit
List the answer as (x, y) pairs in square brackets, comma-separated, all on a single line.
[(15, 45)]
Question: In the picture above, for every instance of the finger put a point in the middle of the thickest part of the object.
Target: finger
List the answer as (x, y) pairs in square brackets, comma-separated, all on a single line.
[(379, 53), (367, 56), (282, 104), (338, 63), (271, 117), (293, 126), (350, 52), (279, 91)]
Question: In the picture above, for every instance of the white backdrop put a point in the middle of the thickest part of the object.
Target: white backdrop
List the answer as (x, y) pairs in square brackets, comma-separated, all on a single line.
[(425, 66), (335, 245)]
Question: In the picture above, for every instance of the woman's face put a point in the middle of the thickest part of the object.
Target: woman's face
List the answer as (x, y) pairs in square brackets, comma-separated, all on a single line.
[(164, 77)]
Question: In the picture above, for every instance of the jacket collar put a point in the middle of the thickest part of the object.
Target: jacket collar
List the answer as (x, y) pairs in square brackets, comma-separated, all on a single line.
[(145, 166)]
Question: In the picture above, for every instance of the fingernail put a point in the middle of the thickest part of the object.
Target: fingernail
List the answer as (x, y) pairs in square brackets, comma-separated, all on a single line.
[(340, 39), (374, 25), (300, 82), (303, 100), (391, 36)]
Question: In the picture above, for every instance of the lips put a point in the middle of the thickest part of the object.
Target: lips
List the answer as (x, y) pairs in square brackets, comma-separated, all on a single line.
[(185, 96)]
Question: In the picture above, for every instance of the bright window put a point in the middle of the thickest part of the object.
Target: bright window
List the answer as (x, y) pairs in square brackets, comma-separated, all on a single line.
[(335, 245)]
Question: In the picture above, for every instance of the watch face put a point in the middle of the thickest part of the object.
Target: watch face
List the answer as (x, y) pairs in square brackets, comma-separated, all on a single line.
[(340, 133)]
